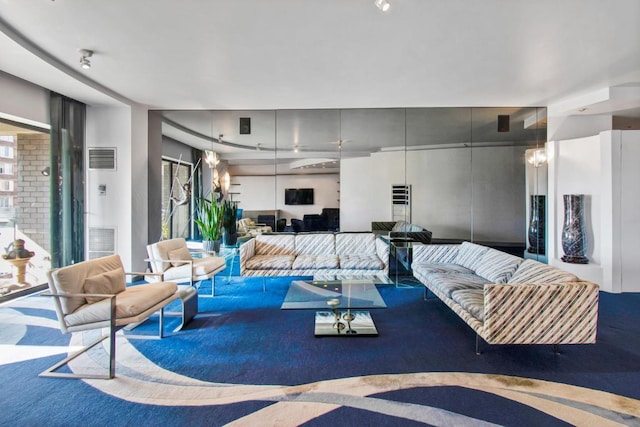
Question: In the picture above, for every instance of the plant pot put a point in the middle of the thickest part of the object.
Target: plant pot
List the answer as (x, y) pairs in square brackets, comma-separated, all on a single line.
[(211, 245), (229, 237)]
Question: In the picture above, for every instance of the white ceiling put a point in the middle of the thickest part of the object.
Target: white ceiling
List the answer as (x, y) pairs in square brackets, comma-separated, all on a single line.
[(250, 57), (275, 54)]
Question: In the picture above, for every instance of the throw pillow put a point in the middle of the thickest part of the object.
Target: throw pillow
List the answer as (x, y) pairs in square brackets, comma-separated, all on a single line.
[(179, 256), (111, 282)]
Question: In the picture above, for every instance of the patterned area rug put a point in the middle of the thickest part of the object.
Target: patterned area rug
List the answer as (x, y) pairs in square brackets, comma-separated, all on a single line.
[(244, 361)]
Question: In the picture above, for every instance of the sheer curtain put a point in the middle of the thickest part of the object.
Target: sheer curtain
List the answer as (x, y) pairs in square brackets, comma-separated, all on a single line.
[(67, 180)]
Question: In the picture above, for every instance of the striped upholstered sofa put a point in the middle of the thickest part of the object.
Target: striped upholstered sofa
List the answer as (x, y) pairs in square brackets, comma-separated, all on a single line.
[(508, 300), (326, 255)]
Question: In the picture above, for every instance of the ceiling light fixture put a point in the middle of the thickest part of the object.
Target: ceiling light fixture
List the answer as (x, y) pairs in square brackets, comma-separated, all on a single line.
[(537, 157), (85, 54), (212, 158), (383, 5)]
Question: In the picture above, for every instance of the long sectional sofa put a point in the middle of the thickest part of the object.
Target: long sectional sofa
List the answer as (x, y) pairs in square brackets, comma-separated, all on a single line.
[(508, 300), (329, 255)]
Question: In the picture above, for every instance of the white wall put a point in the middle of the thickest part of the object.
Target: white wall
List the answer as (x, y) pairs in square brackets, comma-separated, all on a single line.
[(604, 167), (23, 101), (578, 170), (267, 192), (139, 173), (365, 189), (112, 127), (629, 210)]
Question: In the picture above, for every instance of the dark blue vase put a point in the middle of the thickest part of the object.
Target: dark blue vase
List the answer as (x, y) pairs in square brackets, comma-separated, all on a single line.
[(536, 230), (574, 239)]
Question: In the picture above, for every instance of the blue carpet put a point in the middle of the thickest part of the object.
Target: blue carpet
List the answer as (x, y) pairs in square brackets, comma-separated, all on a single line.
[(422, 368)]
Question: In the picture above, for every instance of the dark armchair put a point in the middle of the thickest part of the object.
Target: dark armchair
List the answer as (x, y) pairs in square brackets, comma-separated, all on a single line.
[(269, 220)]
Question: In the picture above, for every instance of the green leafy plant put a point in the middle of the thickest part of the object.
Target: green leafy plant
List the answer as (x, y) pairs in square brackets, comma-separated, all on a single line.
[(209, 219)]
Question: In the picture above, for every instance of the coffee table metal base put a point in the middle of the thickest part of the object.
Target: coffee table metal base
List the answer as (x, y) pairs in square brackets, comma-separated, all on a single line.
[(327, 324)]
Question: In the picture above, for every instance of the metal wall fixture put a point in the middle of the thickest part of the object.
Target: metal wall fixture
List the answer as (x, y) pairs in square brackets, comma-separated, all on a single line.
[(85, 54)]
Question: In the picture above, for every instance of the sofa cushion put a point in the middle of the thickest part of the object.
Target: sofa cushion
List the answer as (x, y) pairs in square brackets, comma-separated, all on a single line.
[(426, 267), (435, 253), (315, 244), (532, 271), (270, 262), (446, 283), (355, 244), (304, 262), (472, 300), (111, 282), (361, 262), (470, 254), (404, 227), (179, 256), (497, 266), (275, 244)]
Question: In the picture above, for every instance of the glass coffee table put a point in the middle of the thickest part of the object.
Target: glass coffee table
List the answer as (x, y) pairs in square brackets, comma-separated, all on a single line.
[(340, 304)]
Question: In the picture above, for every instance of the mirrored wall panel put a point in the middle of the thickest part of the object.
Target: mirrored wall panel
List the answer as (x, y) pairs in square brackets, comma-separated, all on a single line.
[(475, 174)]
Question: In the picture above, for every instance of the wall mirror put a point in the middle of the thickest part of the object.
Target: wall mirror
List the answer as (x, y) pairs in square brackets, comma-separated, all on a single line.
[(463, 173)]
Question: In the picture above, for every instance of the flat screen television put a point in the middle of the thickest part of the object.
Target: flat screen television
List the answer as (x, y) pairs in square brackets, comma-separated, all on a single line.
[(298, 196)]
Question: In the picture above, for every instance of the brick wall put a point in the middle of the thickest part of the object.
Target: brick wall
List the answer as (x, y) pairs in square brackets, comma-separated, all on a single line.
[(33, 187)]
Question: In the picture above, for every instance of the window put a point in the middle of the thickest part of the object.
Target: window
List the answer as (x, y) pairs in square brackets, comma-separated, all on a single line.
[(6, 185), (176, 199), (7, 138), (6, 168), (6, 202), (6, 152)]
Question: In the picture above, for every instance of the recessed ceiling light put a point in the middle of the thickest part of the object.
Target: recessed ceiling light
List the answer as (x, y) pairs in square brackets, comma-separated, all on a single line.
[(383, 5)]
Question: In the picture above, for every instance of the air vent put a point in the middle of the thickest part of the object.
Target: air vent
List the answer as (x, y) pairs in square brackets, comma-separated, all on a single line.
[(102, 242), (102, 158)]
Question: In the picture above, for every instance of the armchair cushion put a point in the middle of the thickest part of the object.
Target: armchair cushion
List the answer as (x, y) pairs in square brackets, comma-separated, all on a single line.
[(71, 280), (129, 303), (111, 282), (179, 256)]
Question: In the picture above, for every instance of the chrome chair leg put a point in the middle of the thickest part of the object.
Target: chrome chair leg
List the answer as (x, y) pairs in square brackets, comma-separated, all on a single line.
[(51, 372)]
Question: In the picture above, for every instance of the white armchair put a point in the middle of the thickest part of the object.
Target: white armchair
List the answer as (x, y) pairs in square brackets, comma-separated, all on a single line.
[(93, 295), (171, 260)]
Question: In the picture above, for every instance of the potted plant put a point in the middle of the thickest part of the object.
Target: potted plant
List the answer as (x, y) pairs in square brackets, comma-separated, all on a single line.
[(209, 222), (229, 218)]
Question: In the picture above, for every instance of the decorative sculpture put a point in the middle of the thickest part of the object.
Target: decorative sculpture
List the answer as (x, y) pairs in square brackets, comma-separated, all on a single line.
[(574, 239), (19, 257)]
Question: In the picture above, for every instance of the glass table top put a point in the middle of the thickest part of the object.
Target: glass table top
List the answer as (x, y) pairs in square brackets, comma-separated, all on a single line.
[(325, 294)]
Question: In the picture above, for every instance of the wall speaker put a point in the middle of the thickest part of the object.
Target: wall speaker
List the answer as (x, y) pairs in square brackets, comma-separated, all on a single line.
[(503, 123), (245, 125)]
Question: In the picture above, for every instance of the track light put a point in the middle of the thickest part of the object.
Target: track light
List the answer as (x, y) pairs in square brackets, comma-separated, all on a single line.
[(383, 5), (46, 171), (84, 58)]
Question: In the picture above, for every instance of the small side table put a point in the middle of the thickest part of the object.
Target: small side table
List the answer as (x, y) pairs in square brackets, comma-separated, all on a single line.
[(401, 248)]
